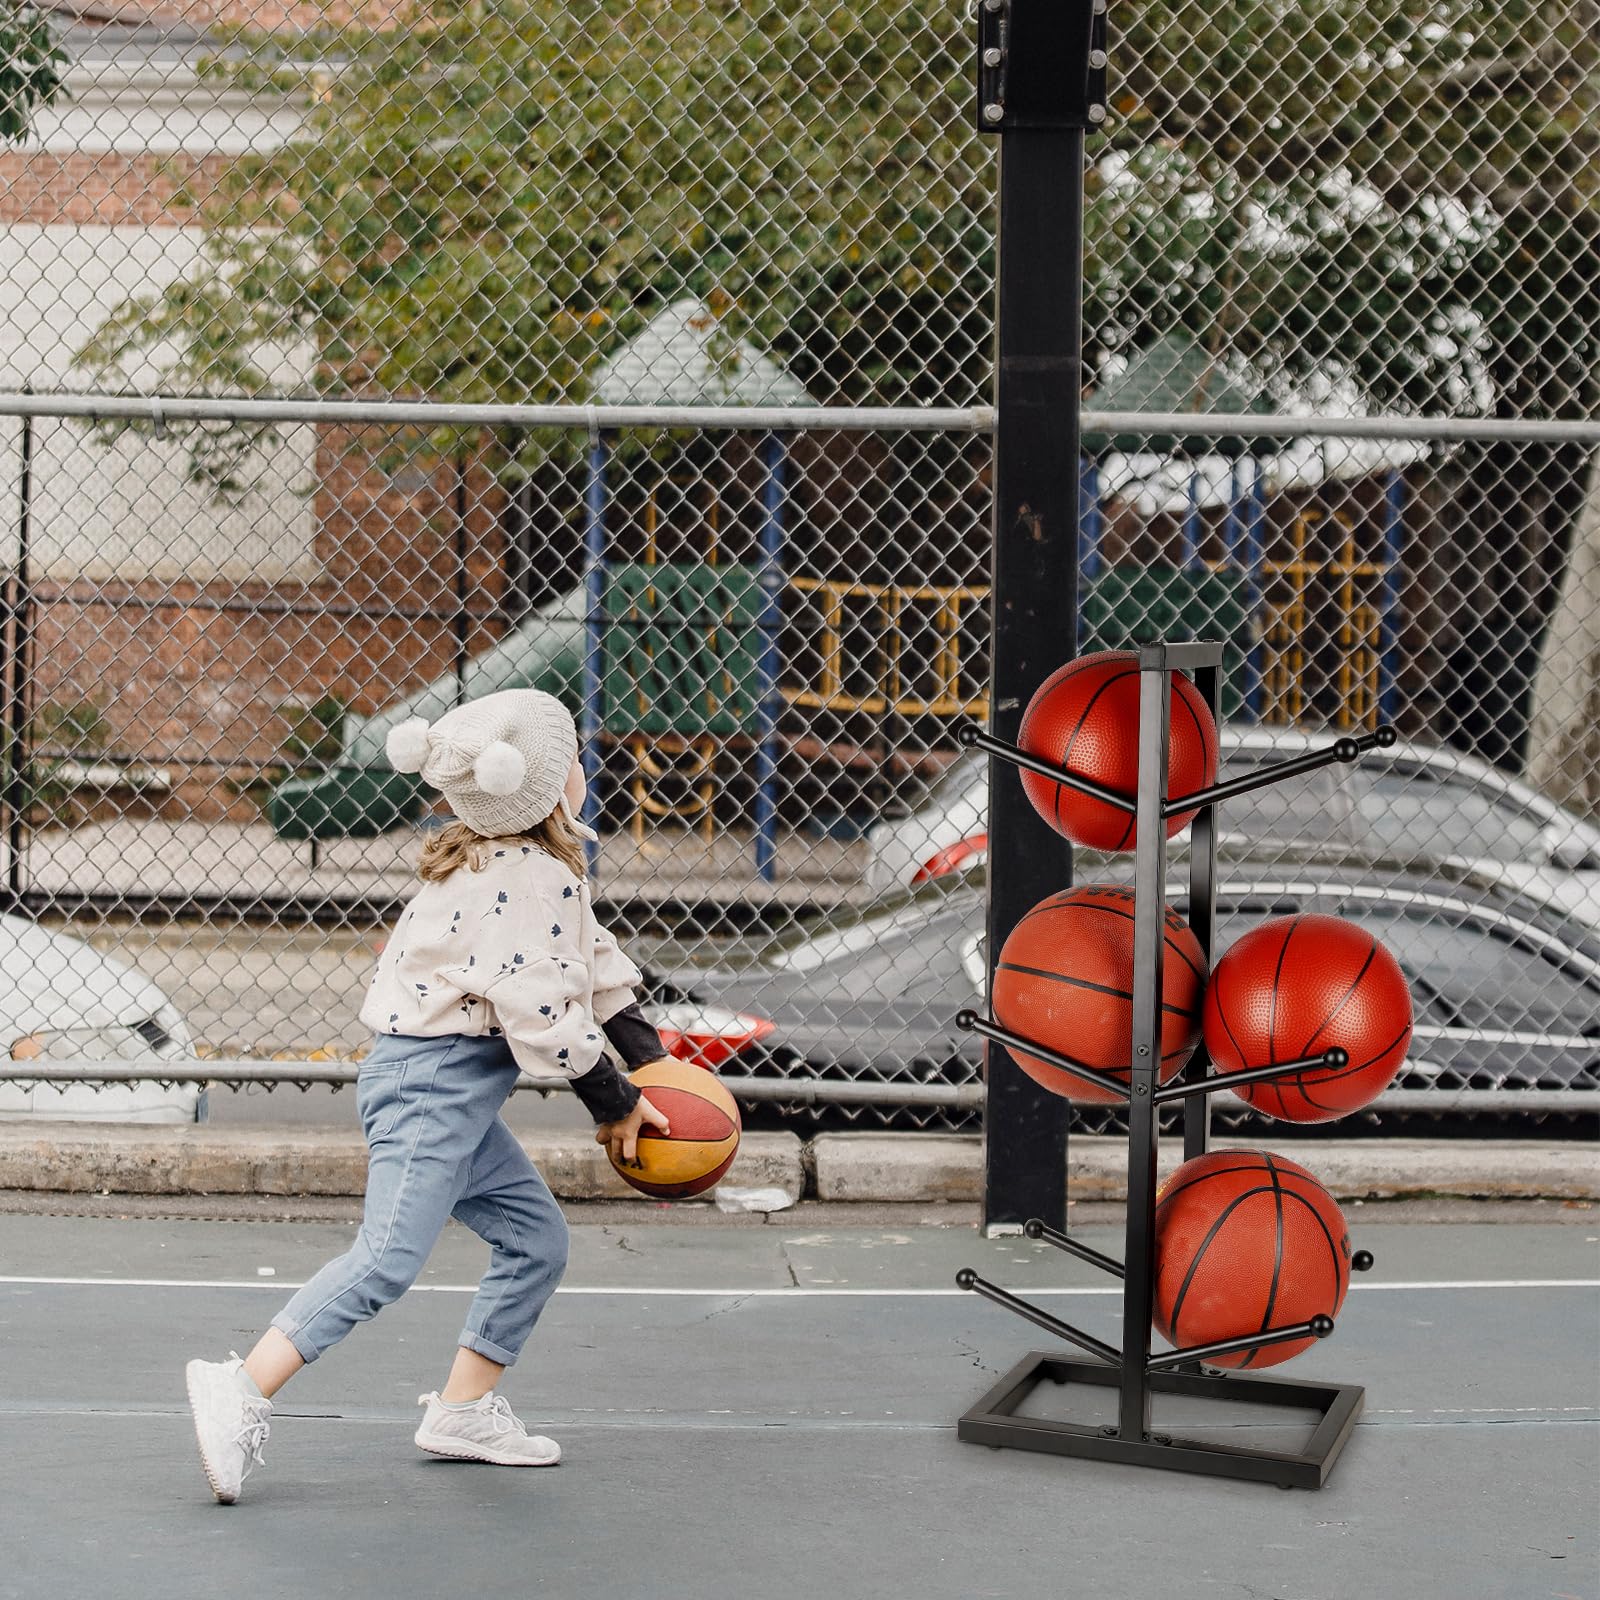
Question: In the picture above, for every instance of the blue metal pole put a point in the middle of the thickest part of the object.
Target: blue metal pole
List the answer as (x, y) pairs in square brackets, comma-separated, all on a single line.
[(1189, 552), (1091, 529), (1232, 527), (1394, 498), (594, 587), (771, 580), (1232, 524), (1254, 557)]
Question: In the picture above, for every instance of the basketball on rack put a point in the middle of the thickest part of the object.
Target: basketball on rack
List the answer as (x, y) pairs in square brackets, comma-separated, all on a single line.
[(1065, 980), (1085, 718), (1295, 986), (1246, 1242), (704, 1119)]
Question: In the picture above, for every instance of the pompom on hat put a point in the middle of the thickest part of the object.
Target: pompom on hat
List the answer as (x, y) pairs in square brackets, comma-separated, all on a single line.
[(501, 762)]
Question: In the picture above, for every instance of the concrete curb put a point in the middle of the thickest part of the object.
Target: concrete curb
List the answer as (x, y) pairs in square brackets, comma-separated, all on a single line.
[(85, 1158), (931, 1166)]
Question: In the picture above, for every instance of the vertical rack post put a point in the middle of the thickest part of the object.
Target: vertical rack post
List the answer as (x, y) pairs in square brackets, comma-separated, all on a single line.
[(1149, 876)]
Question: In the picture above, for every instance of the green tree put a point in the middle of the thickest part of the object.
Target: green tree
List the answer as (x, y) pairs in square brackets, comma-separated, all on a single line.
[(30, 68), (1400, 194), (489, 194)]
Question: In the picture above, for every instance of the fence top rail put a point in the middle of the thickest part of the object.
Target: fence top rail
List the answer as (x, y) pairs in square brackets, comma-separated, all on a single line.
[(160, 409)]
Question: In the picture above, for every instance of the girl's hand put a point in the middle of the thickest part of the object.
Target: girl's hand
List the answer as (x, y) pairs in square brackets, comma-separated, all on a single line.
[(623, 1137)]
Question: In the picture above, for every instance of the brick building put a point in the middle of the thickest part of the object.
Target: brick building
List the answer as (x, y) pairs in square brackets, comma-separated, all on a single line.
[(169, 634)]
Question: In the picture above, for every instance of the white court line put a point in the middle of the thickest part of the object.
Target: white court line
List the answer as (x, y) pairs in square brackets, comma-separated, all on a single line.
[(792, 1292)]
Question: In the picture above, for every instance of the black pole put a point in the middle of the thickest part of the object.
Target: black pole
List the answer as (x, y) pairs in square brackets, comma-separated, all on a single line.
[(16, 628), (1038, 89)]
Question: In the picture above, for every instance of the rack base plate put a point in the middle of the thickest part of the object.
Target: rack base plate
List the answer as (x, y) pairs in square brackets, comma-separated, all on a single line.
[(993, 1421)]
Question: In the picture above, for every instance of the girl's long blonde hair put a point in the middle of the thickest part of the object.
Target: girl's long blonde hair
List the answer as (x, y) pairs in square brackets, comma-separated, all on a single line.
[(455, 845)]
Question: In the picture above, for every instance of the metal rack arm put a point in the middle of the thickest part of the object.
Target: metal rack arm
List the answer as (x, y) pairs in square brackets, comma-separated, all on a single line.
[(971, 1022), (1296, 766), (975, 738), (966, 1278), (1333, 1059), (1035, 1229), (1316, 1328)]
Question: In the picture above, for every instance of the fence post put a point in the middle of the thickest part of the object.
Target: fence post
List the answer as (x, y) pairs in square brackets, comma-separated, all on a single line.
[(1040, 86), (1394, 499), (15, 630), (1255, 594), (1189, 548), (460, 626), (594, 621), (1091, 527), (771, 580)]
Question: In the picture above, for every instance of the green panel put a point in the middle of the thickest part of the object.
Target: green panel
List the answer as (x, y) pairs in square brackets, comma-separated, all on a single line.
[(682, 649), (1124, 606), (344, 803)]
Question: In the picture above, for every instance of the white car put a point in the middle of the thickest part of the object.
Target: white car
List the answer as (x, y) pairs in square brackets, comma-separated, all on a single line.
[(1409, 803), (62, 1000)]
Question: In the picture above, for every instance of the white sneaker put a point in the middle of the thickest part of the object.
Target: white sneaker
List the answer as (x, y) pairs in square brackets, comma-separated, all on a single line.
[(230, 1423), (486, 1431)]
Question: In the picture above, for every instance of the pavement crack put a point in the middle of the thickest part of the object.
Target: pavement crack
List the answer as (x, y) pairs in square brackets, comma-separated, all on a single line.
[(977, 1356), (723, 1310)]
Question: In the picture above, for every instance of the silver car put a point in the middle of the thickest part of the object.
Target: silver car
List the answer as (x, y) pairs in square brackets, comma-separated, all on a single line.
[(62, 1000), (1506, 993), (1409, 803)]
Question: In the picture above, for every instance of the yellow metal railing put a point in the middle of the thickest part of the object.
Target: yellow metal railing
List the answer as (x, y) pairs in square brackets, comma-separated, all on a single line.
[(889, 614), (892, 616), (1286, 624)]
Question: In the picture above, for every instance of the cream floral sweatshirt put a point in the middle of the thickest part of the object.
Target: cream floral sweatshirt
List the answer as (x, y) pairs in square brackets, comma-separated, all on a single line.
[(511, 950)]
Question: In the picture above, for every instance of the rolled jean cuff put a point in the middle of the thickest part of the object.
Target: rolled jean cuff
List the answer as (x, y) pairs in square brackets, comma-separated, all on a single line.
[(488, 1348), (296, 1336)]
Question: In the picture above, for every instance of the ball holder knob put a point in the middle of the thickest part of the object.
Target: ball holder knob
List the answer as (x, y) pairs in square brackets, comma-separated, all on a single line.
[(1322, 1326), (1361, 1261)]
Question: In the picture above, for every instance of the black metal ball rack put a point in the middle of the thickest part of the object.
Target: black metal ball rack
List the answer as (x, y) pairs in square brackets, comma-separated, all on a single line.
[(1133, 1371)]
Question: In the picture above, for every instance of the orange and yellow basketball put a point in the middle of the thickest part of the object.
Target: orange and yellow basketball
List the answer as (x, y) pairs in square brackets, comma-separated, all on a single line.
[(705, 1132)]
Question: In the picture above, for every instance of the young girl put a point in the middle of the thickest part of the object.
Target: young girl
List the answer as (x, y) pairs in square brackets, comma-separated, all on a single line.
[(497, 965)]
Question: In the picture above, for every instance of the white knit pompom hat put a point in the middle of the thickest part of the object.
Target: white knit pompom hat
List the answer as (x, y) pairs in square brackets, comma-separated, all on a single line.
[(501, 762)]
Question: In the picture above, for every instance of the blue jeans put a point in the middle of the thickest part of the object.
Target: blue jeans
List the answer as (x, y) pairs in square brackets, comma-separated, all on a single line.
[(430, 1109)]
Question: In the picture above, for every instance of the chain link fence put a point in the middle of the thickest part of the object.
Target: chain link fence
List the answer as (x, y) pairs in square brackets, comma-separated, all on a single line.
[(640, 355)]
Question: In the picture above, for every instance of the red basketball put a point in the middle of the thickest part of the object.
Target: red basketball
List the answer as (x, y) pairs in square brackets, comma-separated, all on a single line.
[(704, 1138), (1065, 980), (1298, 985), (1085, 718), (1246, 1242)]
